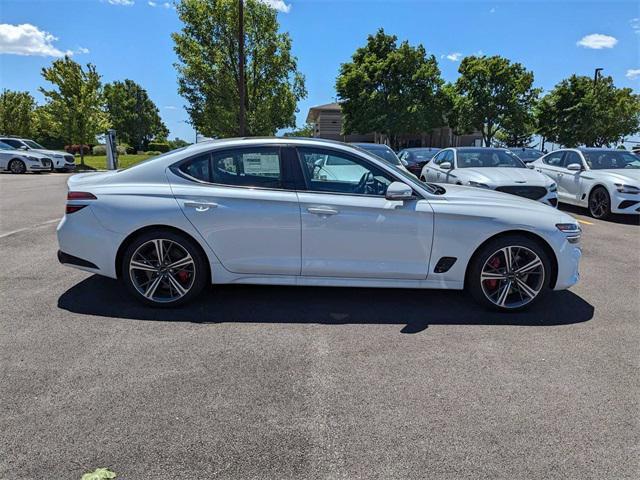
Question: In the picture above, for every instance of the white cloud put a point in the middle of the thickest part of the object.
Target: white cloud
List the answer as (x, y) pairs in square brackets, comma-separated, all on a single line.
[(633, 73), (27, 39), (125, 3), (278, 5), (454, 57), (493, 10), (635, 24), (152, 4), (171, 107), (597, 41), (82, 50)]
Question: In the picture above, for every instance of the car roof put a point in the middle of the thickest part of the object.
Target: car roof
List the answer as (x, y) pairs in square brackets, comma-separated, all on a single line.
[(369, 144), (411, 149), (479, 148)]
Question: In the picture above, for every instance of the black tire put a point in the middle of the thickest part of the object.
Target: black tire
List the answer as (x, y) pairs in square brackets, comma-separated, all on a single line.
[(17, 166), (523, 247), (200, 272), (599, 203)]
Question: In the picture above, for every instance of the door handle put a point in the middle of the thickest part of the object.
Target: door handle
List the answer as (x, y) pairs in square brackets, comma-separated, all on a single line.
[(200, 206), (561, 174), (322, 211)]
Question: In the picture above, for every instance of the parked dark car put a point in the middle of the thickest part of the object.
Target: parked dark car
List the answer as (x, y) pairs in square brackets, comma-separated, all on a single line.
[(527, 155), (416, 158), (382, 151)]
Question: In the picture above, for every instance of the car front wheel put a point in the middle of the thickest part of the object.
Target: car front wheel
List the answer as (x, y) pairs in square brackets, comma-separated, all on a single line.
[(164, 269), (599, 203), (17, 166), (509, 273)]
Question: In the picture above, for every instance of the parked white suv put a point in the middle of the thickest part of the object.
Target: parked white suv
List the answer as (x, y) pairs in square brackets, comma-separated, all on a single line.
[(19, 161), (61, 161)]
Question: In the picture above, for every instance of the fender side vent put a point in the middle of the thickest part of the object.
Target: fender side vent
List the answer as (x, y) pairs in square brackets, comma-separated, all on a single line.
[(627, 203), (444, 264)]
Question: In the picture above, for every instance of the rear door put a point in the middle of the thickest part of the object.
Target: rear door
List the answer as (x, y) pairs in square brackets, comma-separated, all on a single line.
[(349, 228), (239, 202)]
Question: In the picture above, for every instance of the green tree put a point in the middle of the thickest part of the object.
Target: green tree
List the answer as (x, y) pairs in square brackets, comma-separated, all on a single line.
[(579, 112), (208, 68), (133, 114), (74, 108), (304, 131), (495, 94), (16, 113), (390, 88)]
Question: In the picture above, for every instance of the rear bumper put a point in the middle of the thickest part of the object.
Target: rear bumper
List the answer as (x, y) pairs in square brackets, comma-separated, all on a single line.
[(67, 259)]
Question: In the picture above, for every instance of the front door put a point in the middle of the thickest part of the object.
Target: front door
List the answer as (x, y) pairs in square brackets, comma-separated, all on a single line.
[(236, 200), (569, 181), (350, 230)]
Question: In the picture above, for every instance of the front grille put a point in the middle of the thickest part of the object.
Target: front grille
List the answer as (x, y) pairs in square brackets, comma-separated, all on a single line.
[(69, 159), (534, 193), (46, 163)]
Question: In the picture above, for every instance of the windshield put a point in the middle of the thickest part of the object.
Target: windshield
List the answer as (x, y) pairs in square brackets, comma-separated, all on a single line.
[(4, 146), (422, 155), (33, 144), (483, 158), (610, 159), (527, 154), (383, 152)]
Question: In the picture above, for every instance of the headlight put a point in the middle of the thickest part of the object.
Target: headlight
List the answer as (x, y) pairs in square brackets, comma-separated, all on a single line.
[(622, 188), (572, 230), (478, 184), (553, 187), (33, 159)]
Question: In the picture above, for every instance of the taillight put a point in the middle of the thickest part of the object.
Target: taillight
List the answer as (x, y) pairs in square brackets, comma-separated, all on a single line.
[(78, 196)]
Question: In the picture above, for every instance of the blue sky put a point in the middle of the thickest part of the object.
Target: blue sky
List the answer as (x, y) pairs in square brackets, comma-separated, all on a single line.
[(131, 39)]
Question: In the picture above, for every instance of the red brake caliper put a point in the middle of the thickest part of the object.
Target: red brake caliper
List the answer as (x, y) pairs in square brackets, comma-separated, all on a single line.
[(183, 276), (495, 263)]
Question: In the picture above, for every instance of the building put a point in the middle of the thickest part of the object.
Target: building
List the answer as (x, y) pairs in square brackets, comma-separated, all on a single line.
[(327, 123)]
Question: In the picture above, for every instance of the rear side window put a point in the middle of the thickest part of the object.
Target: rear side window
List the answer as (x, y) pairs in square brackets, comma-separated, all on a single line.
[(554, 159), (248, 167), (197, 168)]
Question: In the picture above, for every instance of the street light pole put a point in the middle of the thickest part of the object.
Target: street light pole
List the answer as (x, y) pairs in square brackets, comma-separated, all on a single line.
[(596, 75), (241, 66)]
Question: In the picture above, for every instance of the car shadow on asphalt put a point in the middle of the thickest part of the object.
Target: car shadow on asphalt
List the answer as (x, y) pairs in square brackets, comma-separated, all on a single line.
[(414, 309), (614, 218)]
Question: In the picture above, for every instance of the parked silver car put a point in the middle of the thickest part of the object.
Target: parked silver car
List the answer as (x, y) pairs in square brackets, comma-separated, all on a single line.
[(19, 161), (61, 161)]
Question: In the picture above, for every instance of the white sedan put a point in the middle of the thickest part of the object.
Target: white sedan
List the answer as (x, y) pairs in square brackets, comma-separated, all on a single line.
[(18, 161), (491, 168), (260, 211), (603, 180)]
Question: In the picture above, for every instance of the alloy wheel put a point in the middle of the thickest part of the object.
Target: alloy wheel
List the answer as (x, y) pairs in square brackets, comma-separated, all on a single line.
[(599, 203), (162, 270), (16, 166), (512, 277)]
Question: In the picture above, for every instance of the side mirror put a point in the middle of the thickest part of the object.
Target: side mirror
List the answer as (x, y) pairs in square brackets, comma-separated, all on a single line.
[(574, 167), (530, 165), (398, 191), (445, 165), (22, 147)]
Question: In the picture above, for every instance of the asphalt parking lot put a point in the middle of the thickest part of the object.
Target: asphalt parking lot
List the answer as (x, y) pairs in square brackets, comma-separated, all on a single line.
[(311, 383)]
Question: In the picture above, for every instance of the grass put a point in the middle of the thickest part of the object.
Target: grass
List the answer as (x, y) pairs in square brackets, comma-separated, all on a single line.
[(99, 162)]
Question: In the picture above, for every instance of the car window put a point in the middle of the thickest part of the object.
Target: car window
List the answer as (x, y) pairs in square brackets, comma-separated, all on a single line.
[(446, 156), (13, 143), (571, 157), (611, 159), (198, 168), (554, 159), (247, 167), (332, 171)]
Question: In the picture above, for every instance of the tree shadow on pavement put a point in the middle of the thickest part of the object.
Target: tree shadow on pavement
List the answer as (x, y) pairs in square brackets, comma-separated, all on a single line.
[(415, 309)]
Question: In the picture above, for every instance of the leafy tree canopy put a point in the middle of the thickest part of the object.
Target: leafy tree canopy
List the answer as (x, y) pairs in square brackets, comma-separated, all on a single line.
[(580, 112), (74, 108), (304, 131), (208, 68), (494, 94), (133, 114), (16, 113), (390, 88)]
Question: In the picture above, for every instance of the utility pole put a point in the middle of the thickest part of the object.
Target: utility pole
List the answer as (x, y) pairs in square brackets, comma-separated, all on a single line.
[(596, 75), (241, 66)]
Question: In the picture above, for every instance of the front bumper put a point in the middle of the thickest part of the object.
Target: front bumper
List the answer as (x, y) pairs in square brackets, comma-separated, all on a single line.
[(625, 203)]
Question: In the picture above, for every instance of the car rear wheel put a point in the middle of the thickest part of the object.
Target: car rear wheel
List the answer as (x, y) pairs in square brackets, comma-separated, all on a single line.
[(164, 269), (509, 273), (17, 166), (599, 203)]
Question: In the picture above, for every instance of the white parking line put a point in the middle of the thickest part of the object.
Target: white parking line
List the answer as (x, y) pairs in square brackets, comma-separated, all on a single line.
[(13, 232)]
